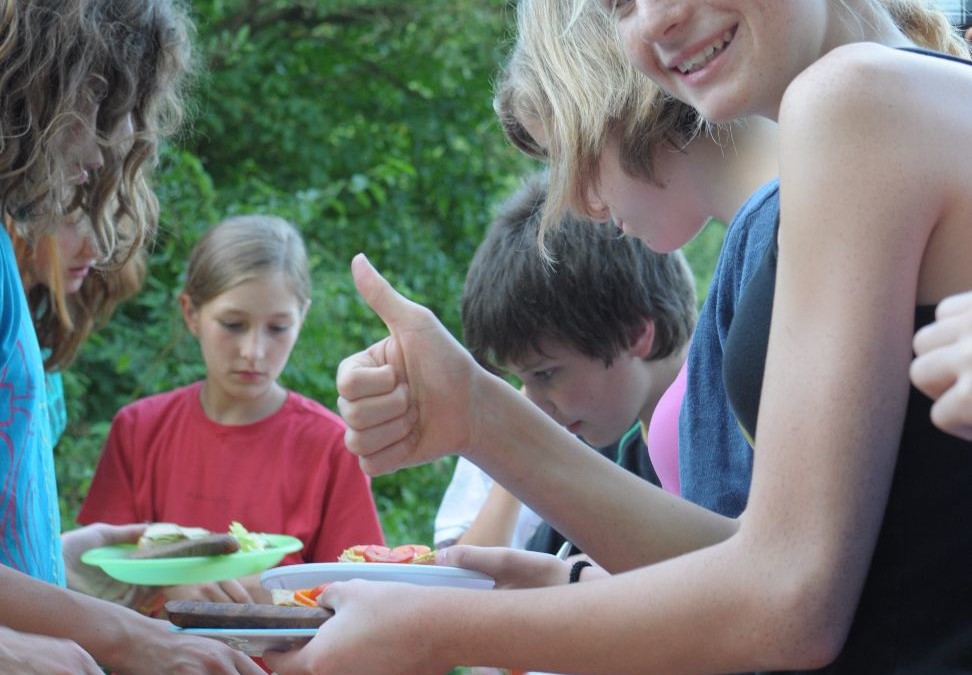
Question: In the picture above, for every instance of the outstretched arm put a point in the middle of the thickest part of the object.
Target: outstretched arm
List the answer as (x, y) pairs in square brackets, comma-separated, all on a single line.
[(28, 654), (943, 367), (118, 638), (418, 395), (781, 592)]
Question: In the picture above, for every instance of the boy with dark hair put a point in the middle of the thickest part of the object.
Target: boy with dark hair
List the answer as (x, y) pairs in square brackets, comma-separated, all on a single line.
[(596, 332)]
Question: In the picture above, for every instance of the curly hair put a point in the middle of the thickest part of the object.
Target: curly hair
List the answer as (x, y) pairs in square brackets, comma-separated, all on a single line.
[(64, 60)]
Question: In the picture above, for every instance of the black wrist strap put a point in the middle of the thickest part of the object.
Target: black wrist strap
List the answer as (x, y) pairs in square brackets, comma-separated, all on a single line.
[(575, 570)]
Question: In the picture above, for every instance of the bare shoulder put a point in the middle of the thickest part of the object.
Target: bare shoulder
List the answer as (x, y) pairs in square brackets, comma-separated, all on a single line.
[(880, 107), (865, 84), (876, 129)]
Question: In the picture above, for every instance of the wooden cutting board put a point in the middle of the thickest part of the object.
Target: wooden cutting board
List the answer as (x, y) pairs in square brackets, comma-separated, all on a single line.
[(193, 614)]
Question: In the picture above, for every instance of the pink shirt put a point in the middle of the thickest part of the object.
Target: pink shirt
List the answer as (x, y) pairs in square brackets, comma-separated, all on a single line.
[(662, 438)]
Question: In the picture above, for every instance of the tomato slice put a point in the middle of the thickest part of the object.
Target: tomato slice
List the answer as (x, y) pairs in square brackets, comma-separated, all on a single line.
[(308, 596), (383, 554), (413, 550)]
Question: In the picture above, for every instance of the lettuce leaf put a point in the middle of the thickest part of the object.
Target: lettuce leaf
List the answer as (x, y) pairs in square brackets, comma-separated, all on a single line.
[(249, 541)]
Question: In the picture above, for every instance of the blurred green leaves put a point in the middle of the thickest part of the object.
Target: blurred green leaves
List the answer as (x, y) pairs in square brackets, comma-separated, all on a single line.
[(367, 123)]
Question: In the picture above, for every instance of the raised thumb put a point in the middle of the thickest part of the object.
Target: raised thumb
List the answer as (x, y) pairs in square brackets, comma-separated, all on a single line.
[(391, 306)]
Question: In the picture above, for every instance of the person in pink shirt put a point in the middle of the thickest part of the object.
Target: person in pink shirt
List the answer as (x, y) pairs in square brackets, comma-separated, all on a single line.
[(238, 446)]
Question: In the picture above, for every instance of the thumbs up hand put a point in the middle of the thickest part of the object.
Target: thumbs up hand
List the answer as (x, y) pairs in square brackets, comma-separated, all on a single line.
[(407, 398)]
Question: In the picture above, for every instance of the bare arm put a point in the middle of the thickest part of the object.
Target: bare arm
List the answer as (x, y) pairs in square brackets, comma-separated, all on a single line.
[(779, 593), (39, 655), (418, 394), (116, 637)]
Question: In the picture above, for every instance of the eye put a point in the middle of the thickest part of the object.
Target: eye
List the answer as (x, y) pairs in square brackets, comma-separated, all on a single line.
[(616, 7), (279, 328), (232, 326), (543, 375)]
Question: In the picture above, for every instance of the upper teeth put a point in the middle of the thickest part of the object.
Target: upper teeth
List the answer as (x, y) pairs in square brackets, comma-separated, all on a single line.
[(705, 55)]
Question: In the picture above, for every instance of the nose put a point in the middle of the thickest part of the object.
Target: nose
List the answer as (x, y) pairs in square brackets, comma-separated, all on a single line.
[(536, 396), (652, 22), (657, 20), (254, 345), (88, 248)]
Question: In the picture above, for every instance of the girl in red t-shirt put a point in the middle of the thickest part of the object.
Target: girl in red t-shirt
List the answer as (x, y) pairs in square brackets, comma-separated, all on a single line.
[(237, 445)]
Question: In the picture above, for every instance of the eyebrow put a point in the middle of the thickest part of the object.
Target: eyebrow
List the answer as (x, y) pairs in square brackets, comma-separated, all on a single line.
[(236, 310), (530, 365)]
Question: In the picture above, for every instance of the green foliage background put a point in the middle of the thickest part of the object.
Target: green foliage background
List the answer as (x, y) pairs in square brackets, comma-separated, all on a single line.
[(367, 123)]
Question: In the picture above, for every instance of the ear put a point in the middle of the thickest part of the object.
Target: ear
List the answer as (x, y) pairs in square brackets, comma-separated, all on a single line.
[(189, 314), (644, 340)]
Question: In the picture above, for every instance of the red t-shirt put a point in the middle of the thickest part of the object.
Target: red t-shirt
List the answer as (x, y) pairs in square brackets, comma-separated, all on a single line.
[(165, 461)]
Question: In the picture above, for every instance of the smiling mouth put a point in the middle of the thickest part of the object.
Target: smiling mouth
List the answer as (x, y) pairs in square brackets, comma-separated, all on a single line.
[(702, 59)]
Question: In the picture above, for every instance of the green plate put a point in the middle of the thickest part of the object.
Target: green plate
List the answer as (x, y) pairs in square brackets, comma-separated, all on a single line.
[(115, 562)]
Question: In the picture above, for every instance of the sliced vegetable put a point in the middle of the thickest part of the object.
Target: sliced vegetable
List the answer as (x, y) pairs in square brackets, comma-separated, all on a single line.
[(383, 554), (308, 596), (353, 554), (407, 553), (249, 541), (416, 550)]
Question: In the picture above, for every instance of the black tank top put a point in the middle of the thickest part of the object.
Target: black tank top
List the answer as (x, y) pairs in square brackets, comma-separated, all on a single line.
[(915, 612)]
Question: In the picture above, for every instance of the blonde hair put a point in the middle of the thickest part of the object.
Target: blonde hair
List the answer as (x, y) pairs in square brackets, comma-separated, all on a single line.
[(568, 73), (926, 26), (243, 248)]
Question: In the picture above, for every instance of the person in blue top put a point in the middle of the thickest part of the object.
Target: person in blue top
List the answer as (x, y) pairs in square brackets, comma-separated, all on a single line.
[(617, 148), (873, 233), (88, 89), (69, 296), (29, 516), (715, 457)]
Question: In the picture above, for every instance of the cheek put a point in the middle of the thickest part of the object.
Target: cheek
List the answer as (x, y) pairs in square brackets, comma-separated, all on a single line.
[(284, 345), (214, 344), (570, 393), (638, 52)]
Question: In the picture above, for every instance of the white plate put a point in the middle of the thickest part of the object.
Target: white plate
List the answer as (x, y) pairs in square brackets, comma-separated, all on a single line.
[(255, 641), (311, 574)]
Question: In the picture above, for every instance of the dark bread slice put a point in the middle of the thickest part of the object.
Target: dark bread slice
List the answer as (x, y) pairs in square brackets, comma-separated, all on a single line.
[(211, 544)]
